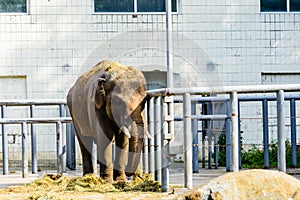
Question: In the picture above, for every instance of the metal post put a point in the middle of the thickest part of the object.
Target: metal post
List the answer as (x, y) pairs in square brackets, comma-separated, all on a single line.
[(169, 36), (234, 132), (280, 131), (228, 145), (94, 155), (62, 113), (195, 140), (157, 139), (204, 125), (151, 132), (145, 156), (165, 148), (209, 133), (266, 133), (293, 132), (71, 152), (33, 142), (59, 147), (4, 144), (239, 136), (24, 151), (188, 140)]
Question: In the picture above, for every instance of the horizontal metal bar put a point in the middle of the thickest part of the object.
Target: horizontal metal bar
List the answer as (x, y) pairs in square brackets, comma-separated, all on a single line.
[(35, 120), (203, 117), (241, 97), (225, 89), (28, 102)]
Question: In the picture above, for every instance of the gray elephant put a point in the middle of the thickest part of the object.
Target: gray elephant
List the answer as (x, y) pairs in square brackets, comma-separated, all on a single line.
[(106, 104)]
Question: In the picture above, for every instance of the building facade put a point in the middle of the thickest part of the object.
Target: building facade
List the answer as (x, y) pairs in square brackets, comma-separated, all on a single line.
[(45, 45)]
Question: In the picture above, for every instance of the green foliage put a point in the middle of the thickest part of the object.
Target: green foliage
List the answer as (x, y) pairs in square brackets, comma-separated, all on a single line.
[(254, 156)]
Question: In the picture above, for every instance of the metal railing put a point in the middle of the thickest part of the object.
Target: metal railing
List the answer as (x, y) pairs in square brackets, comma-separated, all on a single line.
[(156, 124), (60, 136)]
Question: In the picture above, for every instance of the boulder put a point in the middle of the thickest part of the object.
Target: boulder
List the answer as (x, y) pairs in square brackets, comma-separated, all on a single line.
[(249, 184)]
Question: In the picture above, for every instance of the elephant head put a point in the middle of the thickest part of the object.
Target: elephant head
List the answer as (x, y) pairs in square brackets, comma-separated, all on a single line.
[(120, 94)]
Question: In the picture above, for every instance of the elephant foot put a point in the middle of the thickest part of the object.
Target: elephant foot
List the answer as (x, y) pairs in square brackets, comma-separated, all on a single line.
[(107, 175), (120, 176)]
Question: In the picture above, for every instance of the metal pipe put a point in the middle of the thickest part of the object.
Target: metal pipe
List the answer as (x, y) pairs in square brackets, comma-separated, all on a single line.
[(62, 113), (145, 156), (4, 144), (209, 134), (169, 36), (59, 147), (151, 132), (239, 135), (165, 148), (293, 132), (234, 132), (204, 124), (188, 140), (157, 139), (195, 141), (280, 131), (225, 89), (228, 141), (203, 117), (265, 133), (24, 151), (33, 142)]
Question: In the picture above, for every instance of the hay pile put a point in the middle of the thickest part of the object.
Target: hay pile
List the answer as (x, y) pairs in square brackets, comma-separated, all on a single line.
[(50, 186)]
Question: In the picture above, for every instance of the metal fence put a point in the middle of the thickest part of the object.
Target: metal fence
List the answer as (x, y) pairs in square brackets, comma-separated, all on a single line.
[(61, 133), (160, 120), (161, 130)]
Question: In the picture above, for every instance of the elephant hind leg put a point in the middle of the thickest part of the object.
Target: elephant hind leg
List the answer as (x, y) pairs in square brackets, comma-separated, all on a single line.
[(86, 146)]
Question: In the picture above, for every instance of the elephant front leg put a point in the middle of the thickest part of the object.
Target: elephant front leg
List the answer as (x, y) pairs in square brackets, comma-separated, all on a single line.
[(121, 156)]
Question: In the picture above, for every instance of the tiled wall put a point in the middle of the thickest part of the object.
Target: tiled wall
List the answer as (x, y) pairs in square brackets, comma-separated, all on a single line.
[(58, 40)]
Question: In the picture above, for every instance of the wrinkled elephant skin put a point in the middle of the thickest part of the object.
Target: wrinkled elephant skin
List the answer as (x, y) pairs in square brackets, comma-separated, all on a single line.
[(106, 104)]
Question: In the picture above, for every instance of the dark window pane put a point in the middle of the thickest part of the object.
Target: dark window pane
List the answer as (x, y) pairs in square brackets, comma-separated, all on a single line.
[(295, 5), (114, 6), (273, 5), (154, 6), (13, 6)]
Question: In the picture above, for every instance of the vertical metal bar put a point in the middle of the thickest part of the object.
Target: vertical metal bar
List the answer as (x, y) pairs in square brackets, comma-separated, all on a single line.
[(157, 139), (293, 132), (216, 151), (151, 132), (228, 145), (24, 150), (204, 122), (33, 142), (188, 140), (71, 152), (169, 36), (195, 141), (59, 147), (266, 133), (146, 146), (234, 132), (94, 157), (165, 148), (209, 131), (4, 144), (62, 113), (239, 136), (281, 131)]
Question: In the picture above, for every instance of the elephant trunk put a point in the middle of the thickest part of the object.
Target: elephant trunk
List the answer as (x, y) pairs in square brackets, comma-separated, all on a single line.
[(135, 147)]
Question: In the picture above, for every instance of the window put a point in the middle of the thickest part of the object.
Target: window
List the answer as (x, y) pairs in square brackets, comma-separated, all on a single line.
[(132, 6), (13, 6), (279, 5)]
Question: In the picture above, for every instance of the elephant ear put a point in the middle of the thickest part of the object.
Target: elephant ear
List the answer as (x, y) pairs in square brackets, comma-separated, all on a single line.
[(100, 94)]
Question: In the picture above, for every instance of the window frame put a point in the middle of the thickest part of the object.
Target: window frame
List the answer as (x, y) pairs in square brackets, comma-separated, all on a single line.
[(288, 8), (135, 12), (19, 13)]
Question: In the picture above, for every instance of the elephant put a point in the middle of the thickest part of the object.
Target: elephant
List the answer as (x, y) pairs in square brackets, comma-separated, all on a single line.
[(107, 104)]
